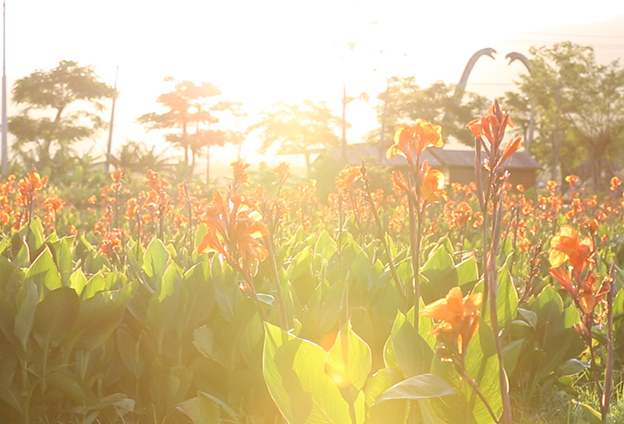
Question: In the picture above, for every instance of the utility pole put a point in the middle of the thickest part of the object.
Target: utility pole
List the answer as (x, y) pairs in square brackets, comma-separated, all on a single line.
[(112, 121), (556, 140), (5, 124)]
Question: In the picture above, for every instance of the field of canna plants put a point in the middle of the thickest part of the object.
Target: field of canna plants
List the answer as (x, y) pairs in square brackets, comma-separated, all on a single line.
[(142, 302)]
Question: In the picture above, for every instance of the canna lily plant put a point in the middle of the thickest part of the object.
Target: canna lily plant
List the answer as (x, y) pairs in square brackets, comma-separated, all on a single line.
[(580, 281), (422, 186)]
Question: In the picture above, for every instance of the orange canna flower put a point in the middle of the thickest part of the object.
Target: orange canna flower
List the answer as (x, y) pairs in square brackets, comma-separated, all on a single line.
[(592, 225), (410, 141), (282, 171), (347, 177), (239, 169), (458, 318), (432, 188), (615, 183), (567, 246), (571, 179), (492, 126), (155, 181), (116, 175), (461, 215)]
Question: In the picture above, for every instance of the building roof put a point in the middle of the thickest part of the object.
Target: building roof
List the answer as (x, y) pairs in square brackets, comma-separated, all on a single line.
[(437, 157)]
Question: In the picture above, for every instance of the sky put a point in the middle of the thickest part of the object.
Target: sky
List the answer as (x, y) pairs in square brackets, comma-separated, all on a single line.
[(263, 52)]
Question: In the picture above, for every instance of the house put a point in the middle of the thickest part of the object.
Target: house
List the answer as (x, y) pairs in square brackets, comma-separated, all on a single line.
[(457, 165)]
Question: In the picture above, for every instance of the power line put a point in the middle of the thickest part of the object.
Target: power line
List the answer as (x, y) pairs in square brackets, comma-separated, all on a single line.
[(557, 34), (533, 42)]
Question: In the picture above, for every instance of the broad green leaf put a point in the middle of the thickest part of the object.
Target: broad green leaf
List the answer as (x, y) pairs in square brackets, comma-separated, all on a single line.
[(394, 412), (55, 316), (63, 256), (482, 365), (34, 232), (440, 274), (72, 386), (506, 299), (25, 317), (325, 245), (588, 414), (128, 346), (96, 284), (198, 298), (412, 352), (424, 386), (43, 271), (98, 317), (529, 316), (511, 354), (78, 281), (349, 361), (6, 270), (155, 261), (467, 273), (205, 409), (572, 366), (294, 373)]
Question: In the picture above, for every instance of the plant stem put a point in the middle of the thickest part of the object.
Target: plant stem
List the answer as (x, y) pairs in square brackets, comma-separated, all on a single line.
[(475, 387), (605, 402), (384, 242)]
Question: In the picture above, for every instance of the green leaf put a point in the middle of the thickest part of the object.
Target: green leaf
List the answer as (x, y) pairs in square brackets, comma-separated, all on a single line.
[(96, 284), (98, 317), (155, 261), (412, 352), (440, 273), (128, 346), (55, 316), (394, 412), (43, 271), (482, 365), (588, 414), (349, 361), (529, 316), (78, 281), (511, 354), (424, 386), (73, 387), (506, 299), (35, 236), (25, 317), (572, 366), (293, 370)]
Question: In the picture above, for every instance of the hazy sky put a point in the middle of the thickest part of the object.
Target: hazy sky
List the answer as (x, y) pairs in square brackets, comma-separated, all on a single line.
[(261, 52)]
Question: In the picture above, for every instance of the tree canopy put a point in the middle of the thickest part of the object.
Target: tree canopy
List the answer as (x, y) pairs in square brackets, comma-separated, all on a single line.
[(580, 108), (404, 101), (297, 129), (49, 123), (187, 109)]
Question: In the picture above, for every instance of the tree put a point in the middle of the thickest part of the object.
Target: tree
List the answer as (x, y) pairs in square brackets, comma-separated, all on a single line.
[(186, 110), (297, 129), (580, 107), (56, 124), (207, 138), (405, 101)]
